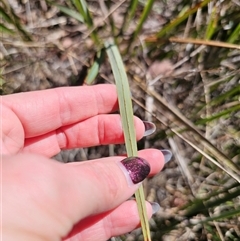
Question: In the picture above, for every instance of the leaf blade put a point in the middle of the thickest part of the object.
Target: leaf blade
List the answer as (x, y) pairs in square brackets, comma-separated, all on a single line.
[(126, 112)]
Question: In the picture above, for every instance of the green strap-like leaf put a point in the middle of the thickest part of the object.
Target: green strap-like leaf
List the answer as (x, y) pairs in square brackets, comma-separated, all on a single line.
[(234, 35), (70, 12), (145, 13), (126, 112), (129, 14), (93, 71), (82, 7), (4, 29)]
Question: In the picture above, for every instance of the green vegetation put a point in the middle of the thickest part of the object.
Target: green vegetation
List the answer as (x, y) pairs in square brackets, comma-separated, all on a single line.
[(183, 65)]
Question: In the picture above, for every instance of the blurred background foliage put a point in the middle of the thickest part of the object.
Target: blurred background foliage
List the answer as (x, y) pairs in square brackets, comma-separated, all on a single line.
[(183, 63)]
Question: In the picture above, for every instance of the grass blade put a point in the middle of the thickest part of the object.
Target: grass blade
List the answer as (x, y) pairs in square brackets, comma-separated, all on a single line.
[(235, 35), (125, 106), (204, 42), (93, 71), (82, 7), (224, 215), (20, 27), (5, 16), (228, 111), (7, 13), (211, 27), (233, 93), (165, 30), (4, 29), (143, 18), (128, 16), (71, 13)]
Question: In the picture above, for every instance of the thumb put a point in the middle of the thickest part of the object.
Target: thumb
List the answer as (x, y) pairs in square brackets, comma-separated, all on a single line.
[(101, 185), (46, 198)]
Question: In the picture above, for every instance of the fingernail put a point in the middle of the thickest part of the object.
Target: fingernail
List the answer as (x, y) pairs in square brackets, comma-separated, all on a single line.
[(167, 155), (136, 169), (149, 128), (155, 207)]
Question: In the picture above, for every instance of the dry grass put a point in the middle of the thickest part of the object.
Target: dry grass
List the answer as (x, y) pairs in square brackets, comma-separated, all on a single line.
[(189, 90)]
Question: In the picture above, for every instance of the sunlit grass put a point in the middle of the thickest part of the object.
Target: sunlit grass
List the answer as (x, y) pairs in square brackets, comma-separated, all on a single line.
[(195, 106)]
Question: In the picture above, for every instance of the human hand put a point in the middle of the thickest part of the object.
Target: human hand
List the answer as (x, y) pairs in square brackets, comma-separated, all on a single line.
[(47, 121), (47, 200)]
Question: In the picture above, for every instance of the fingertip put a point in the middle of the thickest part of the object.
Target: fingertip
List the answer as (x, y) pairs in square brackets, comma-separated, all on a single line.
[(149, 209), (155, 158), (139, 127), (155, 207), (129, 210), (135, 169)]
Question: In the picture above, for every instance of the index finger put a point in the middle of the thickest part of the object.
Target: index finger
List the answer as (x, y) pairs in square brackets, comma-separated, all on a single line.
[(43, 111)]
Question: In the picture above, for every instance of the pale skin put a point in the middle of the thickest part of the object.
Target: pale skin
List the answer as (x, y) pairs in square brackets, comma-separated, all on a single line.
[(43, 199)]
